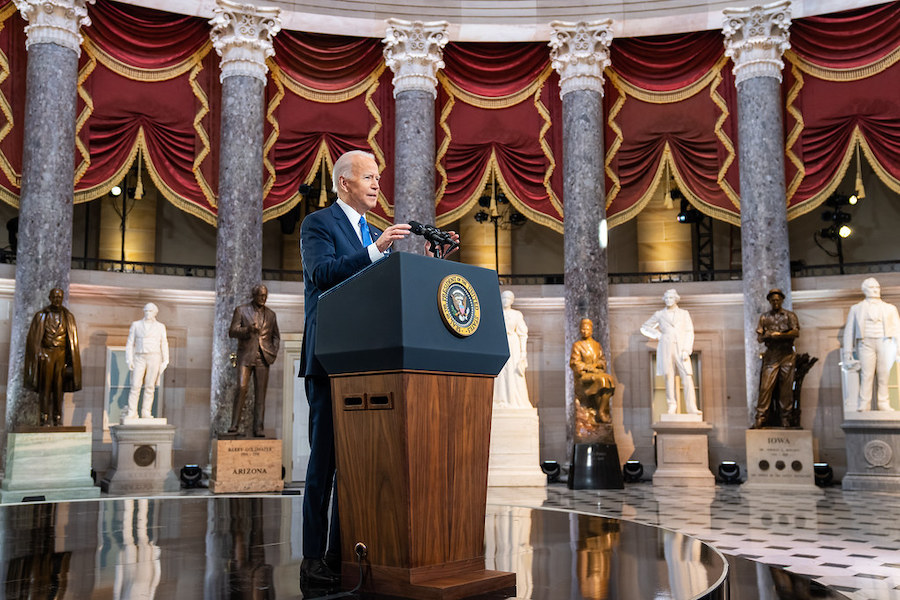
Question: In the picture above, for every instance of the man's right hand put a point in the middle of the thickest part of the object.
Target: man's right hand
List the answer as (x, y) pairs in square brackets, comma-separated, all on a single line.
[(389, 235)]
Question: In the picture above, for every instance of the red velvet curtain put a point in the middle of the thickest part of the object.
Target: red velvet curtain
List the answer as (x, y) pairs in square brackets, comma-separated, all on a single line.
[(498, 108), (842, 89), (12, 100), (670, 97)]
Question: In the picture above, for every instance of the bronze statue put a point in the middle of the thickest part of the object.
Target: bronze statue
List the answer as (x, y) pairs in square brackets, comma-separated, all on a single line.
[(777, 329), (594, 387), (52, 359), (256, 329)]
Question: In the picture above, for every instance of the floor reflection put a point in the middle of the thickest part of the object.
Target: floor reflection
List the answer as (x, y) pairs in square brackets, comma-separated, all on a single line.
[(246, 547)]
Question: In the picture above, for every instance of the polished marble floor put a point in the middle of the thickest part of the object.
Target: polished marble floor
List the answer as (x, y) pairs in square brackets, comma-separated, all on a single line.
[(639, 542), (848, 541)]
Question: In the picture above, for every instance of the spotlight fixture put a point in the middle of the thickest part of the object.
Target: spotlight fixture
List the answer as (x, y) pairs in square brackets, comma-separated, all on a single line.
[(481, 216), (552, 470), (688, 214), (191, 475), (729, 472), (116, 190), (823, 473), (632, 471)]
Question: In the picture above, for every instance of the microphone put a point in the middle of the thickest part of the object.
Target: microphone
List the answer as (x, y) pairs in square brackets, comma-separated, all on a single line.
[(436, 238)]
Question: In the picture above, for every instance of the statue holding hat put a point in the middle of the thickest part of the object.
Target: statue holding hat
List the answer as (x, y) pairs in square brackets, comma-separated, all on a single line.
[(777, 329)]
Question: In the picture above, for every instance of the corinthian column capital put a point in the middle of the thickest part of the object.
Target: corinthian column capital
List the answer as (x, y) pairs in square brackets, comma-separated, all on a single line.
[(414, 52), (580, 52), (242, 36), (54, 22), (756, 38)]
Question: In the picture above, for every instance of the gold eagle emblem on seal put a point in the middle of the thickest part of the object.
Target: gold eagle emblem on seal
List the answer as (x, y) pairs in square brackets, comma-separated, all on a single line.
[(459, 306)]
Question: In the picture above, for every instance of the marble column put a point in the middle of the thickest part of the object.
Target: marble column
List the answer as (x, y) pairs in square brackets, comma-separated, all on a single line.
[(44, 254), (755, 39), (242, 36), (580, 52), (413, 51)]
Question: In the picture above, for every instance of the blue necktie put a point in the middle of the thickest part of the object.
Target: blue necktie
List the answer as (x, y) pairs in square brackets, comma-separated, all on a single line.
[(364, 232)]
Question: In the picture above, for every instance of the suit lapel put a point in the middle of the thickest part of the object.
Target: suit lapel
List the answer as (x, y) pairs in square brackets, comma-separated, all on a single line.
[(343, 224)]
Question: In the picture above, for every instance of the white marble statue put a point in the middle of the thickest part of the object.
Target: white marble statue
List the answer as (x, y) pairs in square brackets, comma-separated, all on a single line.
[(509, 386), (673, 328), (147, 356), (871, 338)]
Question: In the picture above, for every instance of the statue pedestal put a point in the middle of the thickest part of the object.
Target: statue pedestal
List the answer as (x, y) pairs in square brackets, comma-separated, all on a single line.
[(515, 448), (682, 453), (141, 458), (55, 465), (246, 465), (873, 447), (780, 460), (595, 462)]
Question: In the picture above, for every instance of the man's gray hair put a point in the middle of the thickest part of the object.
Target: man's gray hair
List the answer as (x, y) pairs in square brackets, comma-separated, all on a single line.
[(869, 282), (152, 307), (674, 291), (343, 167)]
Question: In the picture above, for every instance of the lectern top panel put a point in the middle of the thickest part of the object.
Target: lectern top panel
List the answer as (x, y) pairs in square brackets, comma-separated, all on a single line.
[(389, 317)]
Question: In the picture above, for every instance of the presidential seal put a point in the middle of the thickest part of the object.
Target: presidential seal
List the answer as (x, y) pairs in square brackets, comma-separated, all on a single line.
[(458, 305)]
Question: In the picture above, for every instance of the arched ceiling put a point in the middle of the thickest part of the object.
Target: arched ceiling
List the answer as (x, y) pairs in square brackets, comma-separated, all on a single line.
[(503, 20)]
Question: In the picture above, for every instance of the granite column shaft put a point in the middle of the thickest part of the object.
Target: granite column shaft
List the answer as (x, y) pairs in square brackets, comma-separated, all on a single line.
[(239, 235), (414, 164), (765, 249), (44, 254), (585, 262)]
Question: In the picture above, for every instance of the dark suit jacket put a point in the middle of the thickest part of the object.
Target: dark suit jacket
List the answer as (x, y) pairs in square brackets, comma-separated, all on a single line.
[(331, 253), (267, 339), (72, 373)]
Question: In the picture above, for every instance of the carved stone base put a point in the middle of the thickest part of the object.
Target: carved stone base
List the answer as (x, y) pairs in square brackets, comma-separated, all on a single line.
[(873, 449), (51, 466), (515, 448), (141, 459), (780, 460), (246, 465), (682, 454)]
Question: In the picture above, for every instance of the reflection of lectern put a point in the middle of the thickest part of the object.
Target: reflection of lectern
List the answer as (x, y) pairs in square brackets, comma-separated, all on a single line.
[(412, 418)]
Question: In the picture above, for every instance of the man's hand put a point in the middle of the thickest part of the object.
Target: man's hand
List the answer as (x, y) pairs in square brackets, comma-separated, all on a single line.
[(389, 235), (455, 237)]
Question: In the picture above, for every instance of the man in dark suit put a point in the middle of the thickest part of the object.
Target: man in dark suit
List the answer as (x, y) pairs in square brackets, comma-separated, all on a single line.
[(335, 243), (256, 329)]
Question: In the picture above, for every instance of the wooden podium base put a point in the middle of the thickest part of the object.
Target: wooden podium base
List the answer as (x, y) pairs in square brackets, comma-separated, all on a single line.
[(412, 453)]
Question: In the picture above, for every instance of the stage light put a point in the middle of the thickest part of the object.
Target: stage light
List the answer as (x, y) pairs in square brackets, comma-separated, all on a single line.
[(603, 234), (632, 471), (191, 475), (688, 214), (481, 216), (116, 190), (552, 470), (516, 219), (729, 472), (823, 473), (844, 231), (852, 200)]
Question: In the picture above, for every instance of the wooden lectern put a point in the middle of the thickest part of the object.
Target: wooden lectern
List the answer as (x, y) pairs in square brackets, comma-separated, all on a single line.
[(412, 345)]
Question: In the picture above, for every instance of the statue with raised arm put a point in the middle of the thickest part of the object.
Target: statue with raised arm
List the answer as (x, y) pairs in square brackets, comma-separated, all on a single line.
[(594, 387), (52, 359), (673, 329), (871, 338), (509, 386), (147, 356)]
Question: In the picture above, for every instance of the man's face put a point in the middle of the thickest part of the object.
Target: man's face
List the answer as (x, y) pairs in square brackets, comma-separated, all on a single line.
[(776, 301), (56, 298), (259, 297), (872, 289), (360, 191), (506, 299), (587, 329), (149, 312), (669, 298)]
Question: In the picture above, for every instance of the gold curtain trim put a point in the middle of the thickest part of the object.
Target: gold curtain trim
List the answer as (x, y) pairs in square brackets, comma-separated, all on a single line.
[(548, 153), (614, 147), (445, 145), (795, 133), (9, 197), (494, 103), (274, 102), (461, 210), (6, 109), (139, 74), (330, 97), (887, 178), (200, 95), (633, 210), (86, 113), (721, 136), (654, 97), (104, 187), (373, 143), (851, 74)]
